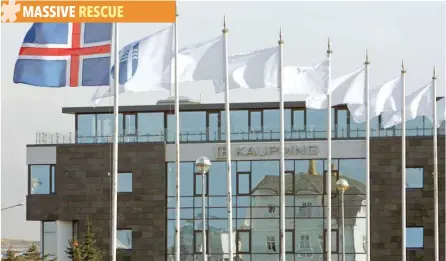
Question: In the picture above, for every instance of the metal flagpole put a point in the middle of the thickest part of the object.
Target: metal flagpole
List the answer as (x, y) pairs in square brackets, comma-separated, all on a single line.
[(367, 152), (228, 143), (282, 151), (114, 200), (177, 143), (435, 176), (403, 163), (329, 51)]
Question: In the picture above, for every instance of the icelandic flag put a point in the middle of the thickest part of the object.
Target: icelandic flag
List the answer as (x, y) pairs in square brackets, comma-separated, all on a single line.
[(65, 55)]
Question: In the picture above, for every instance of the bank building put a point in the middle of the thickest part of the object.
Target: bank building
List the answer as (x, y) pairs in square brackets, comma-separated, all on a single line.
[(69, 180)]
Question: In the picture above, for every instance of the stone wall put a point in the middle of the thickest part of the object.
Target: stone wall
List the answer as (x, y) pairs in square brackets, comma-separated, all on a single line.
[(386, 197), (83, 189)]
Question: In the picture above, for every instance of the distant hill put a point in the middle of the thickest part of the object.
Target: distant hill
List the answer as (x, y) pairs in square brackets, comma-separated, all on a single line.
[(17, 244)]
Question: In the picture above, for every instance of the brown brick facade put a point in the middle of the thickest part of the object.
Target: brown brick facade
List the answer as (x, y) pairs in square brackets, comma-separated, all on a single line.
[(83, 189), (386, 197)]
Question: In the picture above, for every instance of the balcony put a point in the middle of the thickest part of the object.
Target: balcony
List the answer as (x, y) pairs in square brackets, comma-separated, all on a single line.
[(219, 135)]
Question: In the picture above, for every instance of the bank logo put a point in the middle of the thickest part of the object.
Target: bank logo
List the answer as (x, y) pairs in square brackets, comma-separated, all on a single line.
[(9, 11)]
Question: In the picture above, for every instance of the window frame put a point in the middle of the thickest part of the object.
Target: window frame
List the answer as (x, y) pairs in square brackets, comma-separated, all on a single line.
[(52, 175), (333, 251), (271, 243), (195, 184), (238, 231), (310, 253), (75, 230), (42, 224), (415, 248), (238, 173), (124, 172), (131, 233), (195, 241), (415, 167), (293, 241)]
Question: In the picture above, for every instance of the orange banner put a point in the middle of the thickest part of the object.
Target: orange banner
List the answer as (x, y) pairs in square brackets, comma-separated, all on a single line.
[(124, 11)]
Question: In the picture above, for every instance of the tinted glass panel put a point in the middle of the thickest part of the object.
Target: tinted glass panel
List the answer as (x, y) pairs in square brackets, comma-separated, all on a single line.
[(125, 181), (104, 127), (40, 179), (86, 128), (151, 126)]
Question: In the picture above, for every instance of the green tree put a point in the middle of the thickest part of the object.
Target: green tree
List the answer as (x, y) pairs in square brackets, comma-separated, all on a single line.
[(90, 252), (11, 256), (74, 250), (33, 254)]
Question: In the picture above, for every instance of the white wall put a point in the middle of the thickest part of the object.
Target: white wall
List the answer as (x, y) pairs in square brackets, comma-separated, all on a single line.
[(56, 243), (41, 155)]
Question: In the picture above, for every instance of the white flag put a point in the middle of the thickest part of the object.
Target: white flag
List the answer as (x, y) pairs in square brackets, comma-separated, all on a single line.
[(419, 103), (305, 80), (385, 98), (258, 69), (200, 62), (347, 89), (441, 112), (143, 65)]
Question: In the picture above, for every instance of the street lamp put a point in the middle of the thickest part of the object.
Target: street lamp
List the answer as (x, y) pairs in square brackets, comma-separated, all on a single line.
[(13, 206), (342, 186), (203, 164)]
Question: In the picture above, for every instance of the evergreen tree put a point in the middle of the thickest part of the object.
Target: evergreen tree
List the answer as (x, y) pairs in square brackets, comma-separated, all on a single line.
[(33, 254), (74, 250), (10, 256), (90, 252)]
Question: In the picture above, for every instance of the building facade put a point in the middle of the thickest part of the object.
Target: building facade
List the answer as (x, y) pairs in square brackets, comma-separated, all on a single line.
[(69, 182)]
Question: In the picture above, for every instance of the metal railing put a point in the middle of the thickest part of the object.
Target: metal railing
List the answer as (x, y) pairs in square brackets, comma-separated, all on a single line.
[(219, 135)]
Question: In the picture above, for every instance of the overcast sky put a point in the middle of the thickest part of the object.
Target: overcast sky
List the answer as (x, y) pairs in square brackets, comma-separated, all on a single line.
[(390, 31)]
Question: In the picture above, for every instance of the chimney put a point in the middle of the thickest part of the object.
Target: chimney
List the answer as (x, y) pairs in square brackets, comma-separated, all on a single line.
[(312, 167)]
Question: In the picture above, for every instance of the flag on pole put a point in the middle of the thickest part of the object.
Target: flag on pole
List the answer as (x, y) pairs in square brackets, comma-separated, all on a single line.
[(384, 98), (65, 55), (441, 112), (305, 80), (347, 89), (143, 65), (419, 103), (254, 70)]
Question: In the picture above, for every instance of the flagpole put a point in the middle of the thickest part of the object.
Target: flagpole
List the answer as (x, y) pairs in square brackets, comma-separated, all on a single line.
[(177, 144), (329, 51), (114, 200), (435, 176), (403, 163), (367, 152), (228, 142), (282, 151)]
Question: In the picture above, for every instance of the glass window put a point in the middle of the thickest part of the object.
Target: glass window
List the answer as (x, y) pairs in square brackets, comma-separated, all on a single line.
[(151, 126), (305, 249), (104, 127), (243, 241), (341, 119), (414, 178), (213, 128), (265, 177), (243, 183), (316, 125), (427, 127), (171, 127), (199, 189), (129, 124), (334, 240), (75, 229), (186, 179), (198, 239), (217, 179), (239, 125), (289, 241), (354, 171), (193, 125), (271, 124), (125, 182), (49, 238), (414, 237), (42, 179), (415, 127), (298, 130), (271, 244), (255, 125), (124, 239), (86, 128)]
